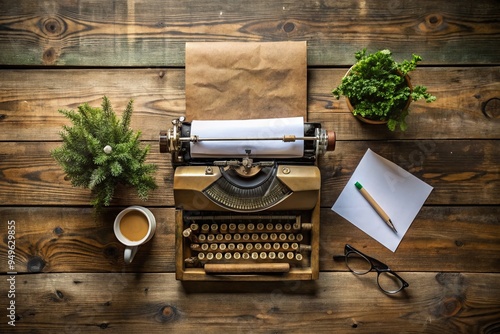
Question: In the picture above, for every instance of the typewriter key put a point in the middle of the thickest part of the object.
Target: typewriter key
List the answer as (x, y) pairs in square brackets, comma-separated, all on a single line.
[(245, 256), (218, 256), (263, 255), (255, 256), (272, 255), (260, 226), (201, 256), (236, 256), (209, 256)]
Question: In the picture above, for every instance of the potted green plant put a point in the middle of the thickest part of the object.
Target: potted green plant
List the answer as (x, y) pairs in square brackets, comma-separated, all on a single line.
[(378, 89), (100, 151)]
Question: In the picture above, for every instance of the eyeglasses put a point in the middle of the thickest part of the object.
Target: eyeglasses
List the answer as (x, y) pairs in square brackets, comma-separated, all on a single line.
[(360, 264)]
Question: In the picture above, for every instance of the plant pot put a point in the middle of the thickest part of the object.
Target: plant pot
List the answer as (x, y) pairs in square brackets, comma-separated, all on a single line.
[(378, 121)]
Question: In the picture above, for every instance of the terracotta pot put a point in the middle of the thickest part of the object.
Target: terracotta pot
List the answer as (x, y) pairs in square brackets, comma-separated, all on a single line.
[(374, 121)]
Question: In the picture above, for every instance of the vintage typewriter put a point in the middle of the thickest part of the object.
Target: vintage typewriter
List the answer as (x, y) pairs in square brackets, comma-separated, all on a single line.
[(243, 215)]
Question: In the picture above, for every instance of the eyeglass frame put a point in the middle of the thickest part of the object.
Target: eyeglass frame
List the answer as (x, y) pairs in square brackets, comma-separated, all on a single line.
[(376, 265)]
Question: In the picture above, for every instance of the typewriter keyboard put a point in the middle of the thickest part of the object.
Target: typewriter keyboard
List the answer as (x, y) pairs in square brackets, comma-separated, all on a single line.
[(246, 239)]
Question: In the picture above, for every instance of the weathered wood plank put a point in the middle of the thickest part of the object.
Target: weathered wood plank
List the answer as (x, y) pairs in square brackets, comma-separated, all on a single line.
[(30, 176), (449, 238), (153, 33), (467, 105), (461, 171), (156, 303)]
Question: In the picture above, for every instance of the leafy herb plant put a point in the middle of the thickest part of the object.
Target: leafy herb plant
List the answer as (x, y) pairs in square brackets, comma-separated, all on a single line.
[(376, 87), (100, 151)]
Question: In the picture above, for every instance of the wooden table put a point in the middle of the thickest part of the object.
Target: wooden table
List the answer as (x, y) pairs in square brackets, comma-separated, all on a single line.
[(70, 272)]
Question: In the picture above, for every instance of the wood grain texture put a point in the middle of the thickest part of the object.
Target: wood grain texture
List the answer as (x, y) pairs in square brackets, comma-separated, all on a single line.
[(71, 240), (467, 104), (153, 33), (461, 171), (156, 303)]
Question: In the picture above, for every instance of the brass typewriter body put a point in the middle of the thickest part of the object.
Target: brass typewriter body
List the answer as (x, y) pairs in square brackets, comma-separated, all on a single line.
[(248, 219)]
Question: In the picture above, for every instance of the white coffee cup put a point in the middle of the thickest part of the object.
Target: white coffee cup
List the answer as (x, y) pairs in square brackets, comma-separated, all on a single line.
[(133, 227)]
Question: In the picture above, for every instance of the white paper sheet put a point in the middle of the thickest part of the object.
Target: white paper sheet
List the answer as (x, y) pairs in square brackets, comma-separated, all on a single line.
[(399, 193), (252, 128)]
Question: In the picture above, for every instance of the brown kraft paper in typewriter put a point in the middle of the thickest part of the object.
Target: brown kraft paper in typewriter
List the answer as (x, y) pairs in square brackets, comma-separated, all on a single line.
[(246, 80)]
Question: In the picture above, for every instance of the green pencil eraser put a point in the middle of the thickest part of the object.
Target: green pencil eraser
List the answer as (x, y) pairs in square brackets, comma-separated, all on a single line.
[(358, 185)]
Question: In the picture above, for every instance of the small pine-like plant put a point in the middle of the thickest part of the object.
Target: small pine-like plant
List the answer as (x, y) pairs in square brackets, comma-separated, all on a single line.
[(100, 151)]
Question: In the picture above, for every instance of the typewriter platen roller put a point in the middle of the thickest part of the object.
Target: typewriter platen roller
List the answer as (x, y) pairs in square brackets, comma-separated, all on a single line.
[(248, 210)]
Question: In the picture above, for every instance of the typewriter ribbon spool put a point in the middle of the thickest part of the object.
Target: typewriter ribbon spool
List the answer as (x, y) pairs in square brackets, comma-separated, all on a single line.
[(255, 205)]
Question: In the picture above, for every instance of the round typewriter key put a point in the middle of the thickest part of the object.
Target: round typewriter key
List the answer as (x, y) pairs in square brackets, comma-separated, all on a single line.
[(298, 257), (299, 237), (281, 255), (285, 246), (227, 256), (201, 256), (276, 246), (202, 238), (219, 237), (245, 256), (236, 256), (291, 237), (267, 246), (264, 236), (279, 227), (290, 255), (194, 227), (270, 226), (214, 227), (205, 247), (258, 246), (210, 237), (255, 256), (294, 246), (249, 246), (246, 236), (231, 246), (237, 237), (260, 226), (210, 256), (272, 255), (223, 227), (250, 227), (255, 237), (240, 247), (227, 237), (288, 227), (241, 227), (232, 227), (222, 247), (213, 246), (263, 255), (296, 226), (218, 256), (205, 228), (282, 236), (273, 236)]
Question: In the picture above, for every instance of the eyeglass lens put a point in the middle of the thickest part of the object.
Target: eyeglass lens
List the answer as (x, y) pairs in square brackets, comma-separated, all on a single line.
[(358, 264), (388, 282)]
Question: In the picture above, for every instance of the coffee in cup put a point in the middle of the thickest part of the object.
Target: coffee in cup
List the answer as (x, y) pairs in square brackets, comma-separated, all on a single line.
[(133, 227)]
